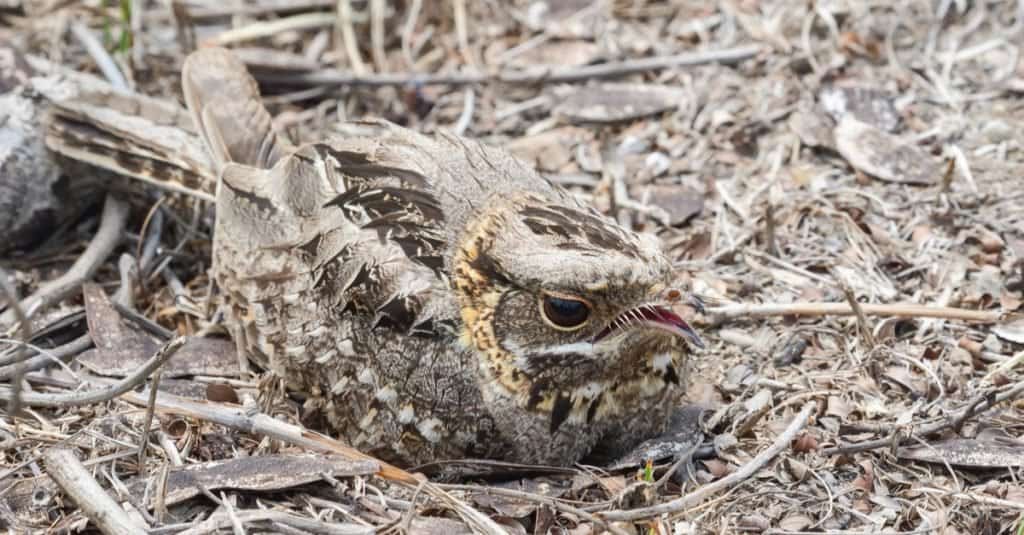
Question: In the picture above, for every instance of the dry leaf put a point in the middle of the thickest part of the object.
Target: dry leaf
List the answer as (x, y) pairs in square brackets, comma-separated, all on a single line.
[(882, 155)]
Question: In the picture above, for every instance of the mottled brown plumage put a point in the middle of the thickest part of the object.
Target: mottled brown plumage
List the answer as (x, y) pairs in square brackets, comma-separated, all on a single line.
[(435, 297)]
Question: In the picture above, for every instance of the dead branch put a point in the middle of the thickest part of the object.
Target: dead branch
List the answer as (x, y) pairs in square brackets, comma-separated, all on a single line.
[(577, 74), (11, 296), (844, 309), (65, 468)]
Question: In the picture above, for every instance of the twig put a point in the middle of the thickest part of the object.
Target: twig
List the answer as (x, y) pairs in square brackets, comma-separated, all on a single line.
[(148, 425), (257, 30), (862, 321), (462, 32), (11, 296), (68, 472), (980, 404), (112, 224), (769, 229), (205, 13), (466, 117), (104, 62), (73, 399), (377, 12), (844, 309), (744, 472), (347, 37), (576, 74), (413, 12)]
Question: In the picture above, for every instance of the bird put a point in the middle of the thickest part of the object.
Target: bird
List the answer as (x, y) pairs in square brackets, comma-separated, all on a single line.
[(433, 297)]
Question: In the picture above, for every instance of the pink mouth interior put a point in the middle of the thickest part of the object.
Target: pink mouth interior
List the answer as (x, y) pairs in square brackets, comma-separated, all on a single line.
[(654, 317)]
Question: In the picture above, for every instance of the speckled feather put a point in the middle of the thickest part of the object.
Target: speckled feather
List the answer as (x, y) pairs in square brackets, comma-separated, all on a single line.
[(394, 280)]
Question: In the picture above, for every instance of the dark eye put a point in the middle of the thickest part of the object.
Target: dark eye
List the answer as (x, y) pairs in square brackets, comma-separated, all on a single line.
[(565, 313)]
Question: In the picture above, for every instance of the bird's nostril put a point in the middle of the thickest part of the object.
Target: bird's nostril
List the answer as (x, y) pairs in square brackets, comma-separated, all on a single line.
[(673, 295)]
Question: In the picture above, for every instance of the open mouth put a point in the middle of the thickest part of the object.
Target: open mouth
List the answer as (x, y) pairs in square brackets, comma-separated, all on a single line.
[(655, 317)]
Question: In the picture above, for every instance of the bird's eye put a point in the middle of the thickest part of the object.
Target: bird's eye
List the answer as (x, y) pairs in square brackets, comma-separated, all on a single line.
[(564, 313)]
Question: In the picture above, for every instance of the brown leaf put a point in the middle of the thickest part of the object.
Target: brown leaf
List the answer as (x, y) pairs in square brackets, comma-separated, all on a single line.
[(716, 467), (805, 443), (221, 393), (866, 480), (884, 156), (117, 345)]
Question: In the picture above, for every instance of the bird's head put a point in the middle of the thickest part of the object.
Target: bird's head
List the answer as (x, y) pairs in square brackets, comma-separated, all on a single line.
[(568, 311)]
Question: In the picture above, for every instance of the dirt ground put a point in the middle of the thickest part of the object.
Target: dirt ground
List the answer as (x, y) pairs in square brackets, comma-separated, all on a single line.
[(841, 182)]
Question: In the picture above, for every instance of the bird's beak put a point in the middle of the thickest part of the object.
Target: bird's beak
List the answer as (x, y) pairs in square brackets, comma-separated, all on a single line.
[(655, 317)]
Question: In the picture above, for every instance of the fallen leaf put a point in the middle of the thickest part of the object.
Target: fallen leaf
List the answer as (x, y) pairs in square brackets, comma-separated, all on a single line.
[(883, 155)]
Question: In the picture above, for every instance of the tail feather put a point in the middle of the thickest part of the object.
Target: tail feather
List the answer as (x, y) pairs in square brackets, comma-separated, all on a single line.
[(225, 105)]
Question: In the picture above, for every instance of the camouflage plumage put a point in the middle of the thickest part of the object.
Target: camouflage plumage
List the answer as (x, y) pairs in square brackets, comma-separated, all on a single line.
[(408, 284)]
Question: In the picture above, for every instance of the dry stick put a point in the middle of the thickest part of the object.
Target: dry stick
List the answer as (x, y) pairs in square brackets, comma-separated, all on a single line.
[(65, 468), (347, 37), (209, 12), (689, 500), (112, 222), (74, 399), (14, 407), (148, 425), (844, 309), (380, 57), (979, 404), (576, 74), (264, 425), (862, 321), (256, 30)]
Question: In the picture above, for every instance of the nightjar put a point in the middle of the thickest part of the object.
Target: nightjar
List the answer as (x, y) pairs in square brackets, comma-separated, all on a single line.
[(434, 297)]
